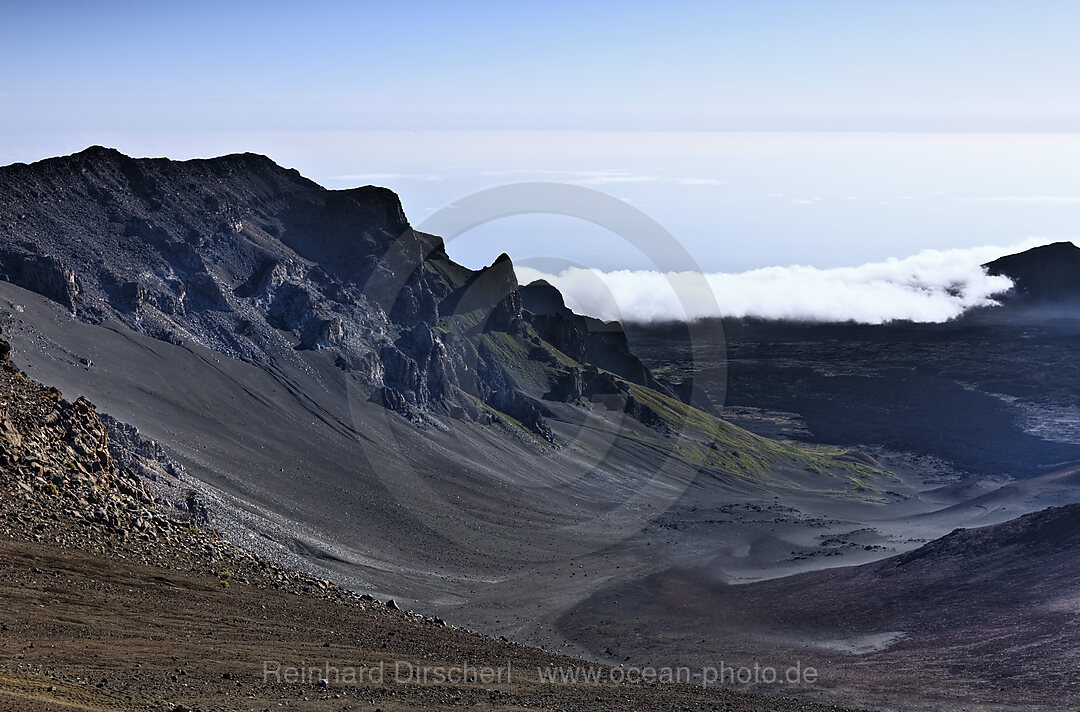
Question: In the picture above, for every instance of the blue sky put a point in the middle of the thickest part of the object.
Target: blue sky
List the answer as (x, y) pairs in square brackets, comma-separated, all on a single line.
[(970, 66), (758, 133)]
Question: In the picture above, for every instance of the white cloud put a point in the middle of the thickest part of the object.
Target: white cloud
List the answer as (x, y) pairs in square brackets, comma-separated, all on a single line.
[(533, 172), (606, 177), (580, 177), (932, 286), (1034, 199), (377, 177), (598, 177)]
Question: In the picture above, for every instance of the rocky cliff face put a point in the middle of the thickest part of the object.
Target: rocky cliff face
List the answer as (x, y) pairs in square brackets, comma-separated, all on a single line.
[(256, 262), (601, 345)]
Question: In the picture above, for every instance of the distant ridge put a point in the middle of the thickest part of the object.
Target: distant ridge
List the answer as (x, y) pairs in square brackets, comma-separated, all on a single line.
[(1043, 275)]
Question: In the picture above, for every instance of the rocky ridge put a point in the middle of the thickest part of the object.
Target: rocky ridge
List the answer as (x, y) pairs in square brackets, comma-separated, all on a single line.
[(1046, 275), (257, 262)]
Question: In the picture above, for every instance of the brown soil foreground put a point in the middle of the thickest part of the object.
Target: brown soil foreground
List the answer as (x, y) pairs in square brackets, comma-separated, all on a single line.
[(85, 631)]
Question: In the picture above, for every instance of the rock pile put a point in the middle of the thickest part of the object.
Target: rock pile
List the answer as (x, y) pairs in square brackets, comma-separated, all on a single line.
[(60, 484)]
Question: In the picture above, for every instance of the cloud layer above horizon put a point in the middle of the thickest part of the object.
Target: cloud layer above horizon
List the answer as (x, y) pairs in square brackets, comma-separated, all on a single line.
[(931, 286)]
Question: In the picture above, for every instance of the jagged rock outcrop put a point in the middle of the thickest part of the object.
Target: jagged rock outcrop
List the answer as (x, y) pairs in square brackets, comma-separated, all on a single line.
[(491, 292), (135, 453), (569, 387), (44, 274), (602, 344)]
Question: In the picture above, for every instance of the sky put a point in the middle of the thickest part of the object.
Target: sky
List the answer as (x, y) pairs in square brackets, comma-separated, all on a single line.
[(826, 134)]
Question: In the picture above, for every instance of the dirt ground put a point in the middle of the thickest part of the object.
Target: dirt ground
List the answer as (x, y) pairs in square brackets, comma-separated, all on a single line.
[(85, 631)]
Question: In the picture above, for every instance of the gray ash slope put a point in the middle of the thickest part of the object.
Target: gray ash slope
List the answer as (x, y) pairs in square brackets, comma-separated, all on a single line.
[(86, 557), (347, 398)]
